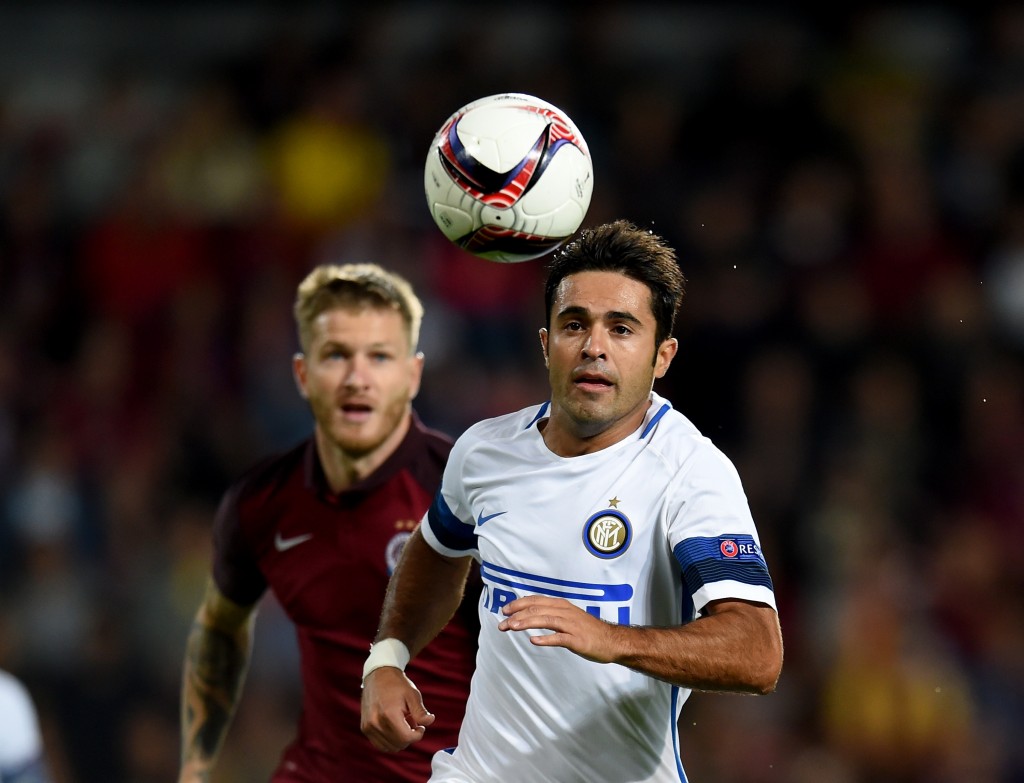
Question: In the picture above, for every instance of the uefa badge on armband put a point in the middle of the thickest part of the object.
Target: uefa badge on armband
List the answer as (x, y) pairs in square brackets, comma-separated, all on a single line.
[(740, 547), (607, 533)]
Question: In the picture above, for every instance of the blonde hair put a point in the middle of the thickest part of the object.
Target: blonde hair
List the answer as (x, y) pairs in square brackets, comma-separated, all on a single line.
[(355, 286)]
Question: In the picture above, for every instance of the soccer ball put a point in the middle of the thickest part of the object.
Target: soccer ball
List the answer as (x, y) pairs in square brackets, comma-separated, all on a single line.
[(508, 178)]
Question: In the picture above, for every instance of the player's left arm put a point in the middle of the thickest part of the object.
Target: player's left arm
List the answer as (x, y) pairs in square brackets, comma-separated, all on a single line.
[(734, 645), (217, 657)]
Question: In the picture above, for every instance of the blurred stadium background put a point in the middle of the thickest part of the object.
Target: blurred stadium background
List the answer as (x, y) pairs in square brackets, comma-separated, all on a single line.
[(847, 194)]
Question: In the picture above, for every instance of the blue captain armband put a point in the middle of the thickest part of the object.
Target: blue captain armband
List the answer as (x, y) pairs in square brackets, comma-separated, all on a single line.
[(450, 531), (705, 560)]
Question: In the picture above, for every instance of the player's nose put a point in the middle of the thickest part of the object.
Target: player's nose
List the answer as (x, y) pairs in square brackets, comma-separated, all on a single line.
[(357, 372), (594, 346)]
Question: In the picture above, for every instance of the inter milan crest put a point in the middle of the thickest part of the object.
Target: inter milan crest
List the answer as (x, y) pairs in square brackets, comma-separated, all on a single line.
[(607, 533)]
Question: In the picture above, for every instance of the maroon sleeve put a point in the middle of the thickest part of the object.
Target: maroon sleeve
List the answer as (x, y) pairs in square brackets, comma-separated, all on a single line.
[(235, 570)]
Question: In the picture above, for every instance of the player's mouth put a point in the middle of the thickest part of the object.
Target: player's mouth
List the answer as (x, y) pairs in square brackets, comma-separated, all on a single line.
[(592, 382), (356, 412)]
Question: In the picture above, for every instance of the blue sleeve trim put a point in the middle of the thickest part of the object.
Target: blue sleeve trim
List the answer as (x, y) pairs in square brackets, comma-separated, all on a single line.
[(449, 530), (706, 560)]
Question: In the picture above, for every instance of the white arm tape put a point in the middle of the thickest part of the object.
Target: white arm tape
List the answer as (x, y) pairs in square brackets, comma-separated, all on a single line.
[(386, 652)]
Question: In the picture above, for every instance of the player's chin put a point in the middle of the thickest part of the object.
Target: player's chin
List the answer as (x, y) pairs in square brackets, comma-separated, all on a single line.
[(357, 441), (593, 408)]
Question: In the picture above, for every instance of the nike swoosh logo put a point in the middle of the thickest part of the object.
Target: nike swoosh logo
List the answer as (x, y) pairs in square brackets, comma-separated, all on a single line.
[(481, 519), (284, 544)]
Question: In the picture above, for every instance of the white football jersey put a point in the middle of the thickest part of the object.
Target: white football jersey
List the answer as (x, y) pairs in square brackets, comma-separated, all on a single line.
[(644, 532)]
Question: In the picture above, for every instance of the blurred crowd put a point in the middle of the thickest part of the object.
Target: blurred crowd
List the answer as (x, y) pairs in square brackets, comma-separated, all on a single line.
[(847, 198)]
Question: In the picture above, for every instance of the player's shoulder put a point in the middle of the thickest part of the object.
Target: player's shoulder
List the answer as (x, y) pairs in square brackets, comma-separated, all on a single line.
[(423, 454), (433, 444), (677, 438), (666, 425), (497, 432), (267, 475), (505, 426)]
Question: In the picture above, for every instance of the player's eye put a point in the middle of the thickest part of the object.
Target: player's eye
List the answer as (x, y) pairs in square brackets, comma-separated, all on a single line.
[(334, 355), (621, 329)]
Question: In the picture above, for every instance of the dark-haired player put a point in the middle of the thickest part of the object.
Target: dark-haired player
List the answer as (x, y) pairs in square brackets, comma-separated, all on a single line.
[(621, 567)]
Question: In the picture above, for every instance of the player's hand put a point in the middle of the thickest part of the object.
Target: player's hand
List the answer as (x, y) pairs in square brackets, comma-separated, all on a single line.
[(393, 713), (572, 627)]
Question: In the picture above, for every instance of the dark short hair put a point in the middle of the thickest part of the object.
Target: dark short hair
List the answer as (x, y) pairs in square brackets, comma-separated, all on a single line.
[(637, 253)]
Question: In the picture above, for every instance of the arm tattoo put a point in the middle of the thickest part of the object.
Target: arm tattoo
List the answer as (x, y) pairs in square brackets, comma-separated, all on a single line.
[(215, 666)]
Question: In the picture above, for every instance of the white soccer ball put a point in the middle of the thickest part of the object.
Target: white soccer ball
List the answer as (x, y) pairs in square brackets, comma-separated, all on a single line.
[(508, 177)]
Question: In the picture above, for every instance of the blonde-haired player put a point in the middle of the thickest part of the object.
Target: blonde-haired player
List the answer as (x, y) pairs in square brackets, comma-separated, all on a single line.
[(322, 526)]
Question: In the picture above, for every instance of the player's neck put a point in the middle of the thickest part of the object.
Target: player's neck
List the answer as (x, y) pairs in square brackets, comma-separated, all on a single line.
[(567, 437), (343, 468)]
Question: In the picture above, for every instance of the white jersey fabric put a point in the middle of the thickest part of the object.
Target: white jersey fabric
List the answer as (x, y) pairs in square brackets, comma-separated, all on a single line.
[(21, 744), (644, 532)]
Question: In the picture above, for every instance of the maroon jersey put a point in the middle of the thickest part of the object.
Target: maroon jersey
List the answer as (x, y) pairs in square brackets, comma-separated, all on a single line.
[(327, 557)]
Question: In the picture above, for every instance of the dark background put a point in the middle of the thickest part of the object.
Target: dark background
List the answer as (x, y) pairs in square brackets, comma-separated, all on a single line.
[(846, 191)]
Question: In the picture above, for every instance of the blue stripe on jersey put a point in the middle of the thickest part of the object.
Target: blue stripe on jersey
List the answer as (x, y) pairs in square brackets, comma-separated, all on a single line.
[(654, 420), (673, 711), (705, 560), (449, 529), (686, 613), (540, 415), (685, 616), (562, 588)]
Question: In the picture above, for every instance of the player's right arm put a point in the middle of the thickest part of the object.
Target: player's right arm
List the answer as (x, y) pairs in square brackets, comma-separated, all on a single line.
[(216, 660), (423, 594)]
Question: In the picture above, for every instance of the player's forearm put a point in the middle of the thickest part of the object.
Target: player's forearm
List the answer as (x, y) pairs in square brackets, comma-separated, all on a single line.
[(736, 649), (423, 594), (214, 670)]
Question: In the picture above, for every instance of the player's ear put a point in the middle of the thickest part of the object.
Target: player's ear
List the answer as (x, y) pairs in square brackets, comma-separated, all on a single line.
[(299, 373), (543, 334), (417, 375), (663, 358)]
